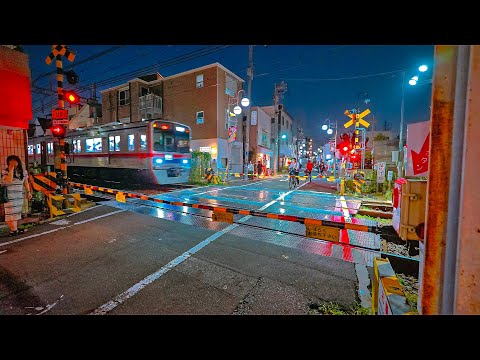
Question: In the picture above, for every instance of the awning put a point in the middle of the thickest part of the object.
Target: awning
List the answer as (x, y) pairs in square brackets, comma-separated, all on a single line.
[(264, 150)]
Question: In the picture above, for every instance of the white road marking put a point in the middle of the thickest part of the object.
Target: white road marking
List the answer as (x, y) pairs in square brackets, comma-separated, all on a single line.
[(119, 299), (88, 209), (60, 222), (96, 217), (60, 228), (133, 290), (346, 213)]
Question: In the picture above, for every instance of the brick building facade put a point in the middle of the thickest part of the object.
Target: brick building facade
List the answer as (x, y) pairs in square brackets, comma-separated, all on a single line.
[(198, 98)]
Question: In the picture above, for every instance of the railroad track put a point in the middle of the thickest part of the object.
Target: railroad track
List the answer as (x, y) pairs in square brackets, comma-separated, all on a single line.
[(401, 264)]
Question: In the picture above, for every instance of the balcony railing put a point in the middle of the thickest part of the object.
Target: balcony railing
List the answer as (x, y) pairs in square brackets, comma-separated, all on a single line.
[(150, 104)]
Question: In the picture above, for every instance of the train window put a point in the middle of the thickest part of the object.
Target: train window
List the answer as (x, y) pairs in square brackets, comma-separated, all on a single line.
[(77, 146), (50, 148), (114, 143), (169, 143), (39, 150), (94, 145), (131, 142), (182, 140), (30, 149), (143, 142)]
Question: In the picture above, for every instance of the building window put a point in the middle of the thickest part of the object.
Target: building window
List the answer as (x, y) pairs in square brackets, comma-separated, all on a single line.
[(143, 142), (30, 149), (273, 121), (199, 81), (77, 146), (200, 119), (123, 97), (264, 138), (50, 148), (145, 91), (131, 142), (39, 150), (114, 143), (93, 145), (230, 86)]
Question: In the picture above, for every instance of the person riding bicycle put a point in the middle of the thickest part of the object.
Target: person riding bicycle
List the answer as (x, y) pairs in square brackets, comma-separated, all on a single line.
[(309, 169), (294, 169)]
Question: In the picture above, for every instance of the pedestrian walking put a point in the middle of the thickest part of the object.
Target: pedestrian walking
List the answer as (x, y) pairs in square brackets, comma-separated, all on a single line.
[(17, 182), (259, 168), (250, 170)]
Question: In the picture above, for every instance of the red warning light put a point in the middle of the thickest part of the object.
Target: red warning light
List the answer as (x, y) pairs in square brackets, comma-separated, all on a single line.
[(58, 131), (164, 127)]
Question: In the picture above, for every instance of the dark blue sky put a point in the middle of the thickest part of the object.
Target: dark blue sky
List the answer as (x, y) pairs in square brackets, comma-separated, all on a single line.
[(310, 97)]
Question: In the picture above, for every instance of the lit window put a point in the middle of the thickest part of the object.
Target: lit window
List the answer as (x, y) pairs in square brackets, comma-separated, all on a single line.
[(131, 142), (30, 149), (50, 148), (200, 81), (114, 143), (123, 97), (200, 117), (77, 146), (93, 145), (39, 150), (143, 142)]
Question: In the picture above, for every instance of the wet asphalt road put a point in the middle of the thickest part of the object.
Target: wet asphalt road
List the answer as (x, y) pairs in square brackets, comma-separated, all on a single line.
[(150, 258)]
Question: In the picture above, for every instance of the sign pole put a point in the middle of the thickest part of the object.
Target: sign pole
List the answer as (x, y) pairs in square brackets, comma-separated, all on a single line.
[(60, 159)]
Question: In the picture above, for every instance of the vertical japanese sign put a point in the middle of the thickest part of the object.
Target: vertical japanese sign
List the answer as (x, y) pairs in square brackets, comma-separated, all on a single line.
[(381, 172), (418, 148), (253, 120)]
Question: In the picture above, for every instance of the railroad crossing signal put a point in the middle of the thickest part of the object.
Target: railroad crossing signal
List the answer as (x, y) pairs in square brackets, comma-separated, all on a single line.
[(357, 118), (60, 50)]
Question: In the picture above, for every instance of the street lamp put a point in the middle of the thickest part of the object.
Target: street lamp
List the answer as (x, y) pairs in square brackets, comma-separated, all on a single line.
[(284, 136), (237, 110), (329, 132), (413, 81)]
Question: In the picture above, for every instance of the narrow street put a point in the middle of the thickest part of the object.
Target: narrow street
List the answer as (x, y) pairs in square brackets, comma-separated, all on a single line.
[(148, 258)]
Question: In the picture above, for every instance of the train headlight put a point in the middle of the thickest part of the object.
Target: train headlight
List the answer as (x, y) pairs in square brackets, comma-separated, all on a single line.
[(185, 161), (158, 161)]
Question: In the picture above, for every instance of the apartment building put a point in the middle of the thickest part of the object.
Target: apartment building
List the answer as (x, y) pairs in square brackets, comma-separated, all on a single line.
[(286, 135), (260, 141), (199, 98)]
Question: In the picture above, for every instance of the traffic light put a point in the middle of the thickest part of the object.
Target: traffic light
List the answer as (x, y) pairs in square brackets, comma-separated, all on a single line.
[(72, 77), (71, 97), (58, 131), (344, 147)]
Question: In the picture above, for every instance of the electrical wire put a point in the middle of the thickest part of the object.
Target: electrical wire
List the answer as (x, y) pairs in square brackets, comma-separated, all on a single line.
[(173, 61), (348, 78)]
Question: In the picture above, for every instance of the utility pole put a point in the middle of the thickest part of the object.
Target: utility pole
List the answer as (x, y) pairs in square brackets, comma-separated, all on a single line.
[(275, 129), (400, 141), (94, 102), (247, 125)]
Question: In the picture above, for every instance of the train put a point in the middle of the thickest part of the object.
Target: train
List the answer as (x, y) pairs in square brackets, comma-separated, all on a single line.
[(151, 152)]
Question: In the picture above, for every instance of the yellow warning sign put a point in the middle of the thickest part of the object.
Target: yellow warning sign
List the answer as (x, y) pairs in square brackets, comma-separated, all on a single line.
[(323, 232), (223, 217), (120, 197), (87, 190)]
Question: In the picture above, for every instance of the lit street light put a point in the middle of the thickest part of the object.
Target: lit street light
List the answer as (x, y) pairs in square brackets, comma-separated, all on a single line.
[(324, 127), (237, 110), (423, 68), (329, 131), (412, 82), (284, 136), (245, 102)]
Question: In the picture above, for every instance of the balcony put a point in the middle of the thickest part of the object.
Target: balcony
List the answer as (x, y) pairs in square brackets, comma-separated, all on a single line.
[(150, 104)]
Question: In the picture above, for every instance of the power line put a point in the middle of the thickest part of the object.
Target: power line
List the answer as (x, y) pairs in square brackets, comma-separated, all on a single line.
[(95, 56), (174, 61), (348, 78)]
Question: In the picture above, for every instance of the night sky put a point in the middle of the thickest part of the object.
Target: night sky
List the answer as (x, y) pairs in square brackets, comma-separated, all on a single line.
[(310, 98)]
